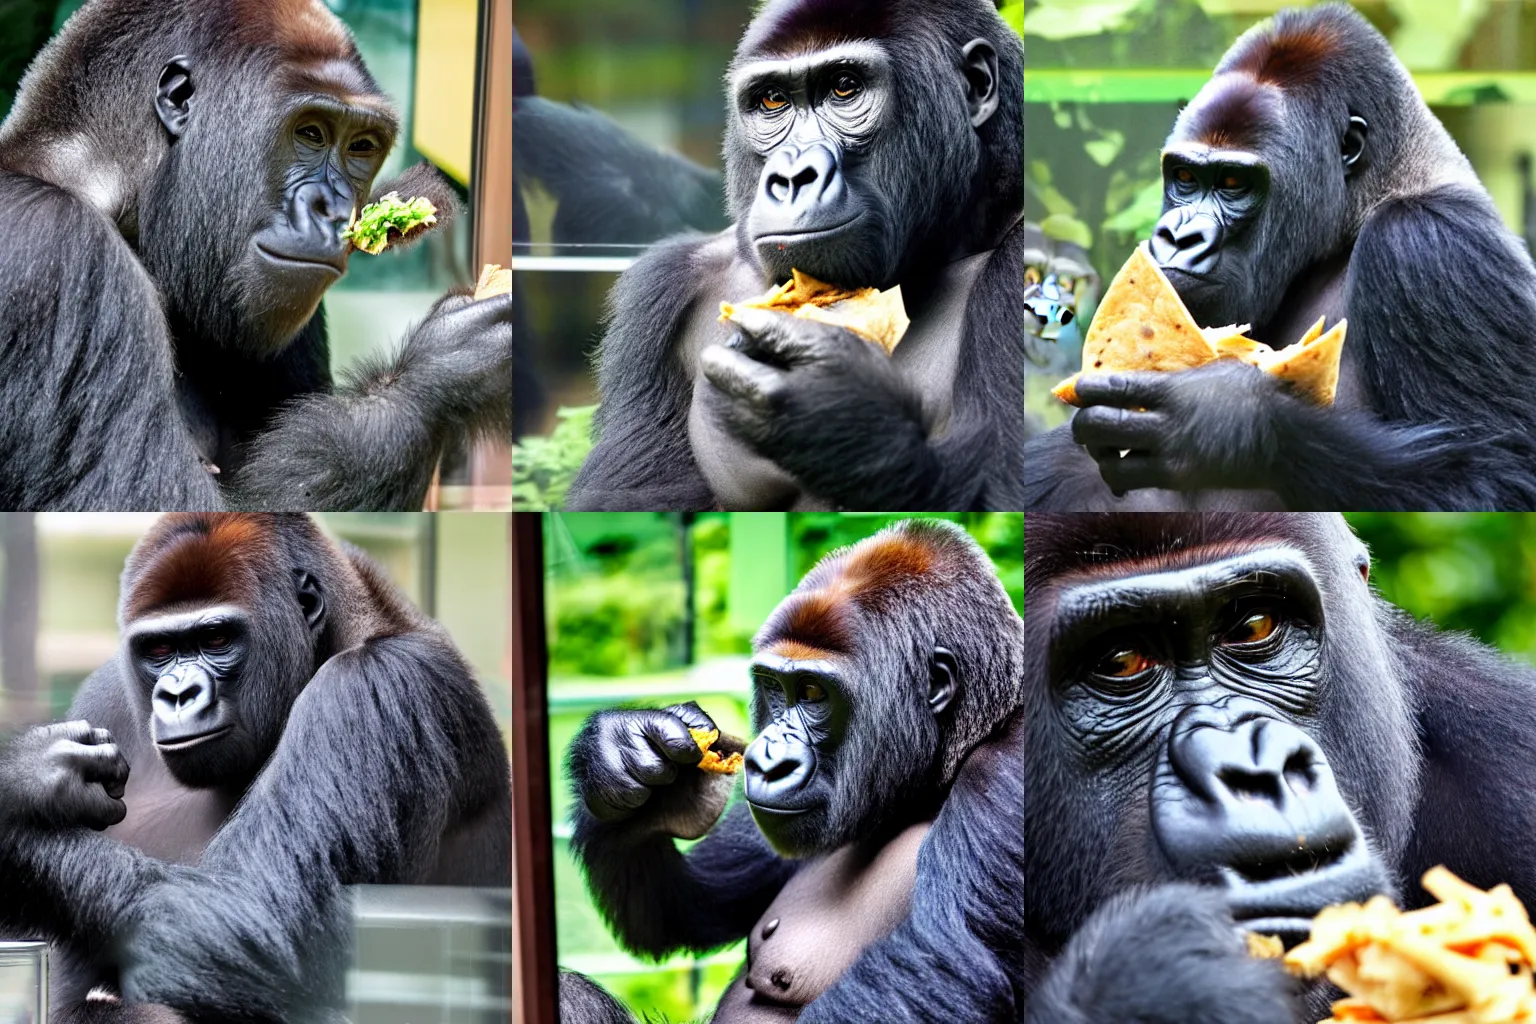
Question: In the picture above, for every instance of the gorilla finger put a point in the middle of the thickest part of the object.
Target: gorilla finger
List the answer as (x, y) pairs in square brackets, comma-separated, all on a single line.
[(669, 736), (1134, 472), (104, 764), (1132, 390), (692, 715), (781, 338), (78, 731), (90, 807), (650, 769), (454, 300), (99, 736), (1117, 429), (610, 803), (742, 377)]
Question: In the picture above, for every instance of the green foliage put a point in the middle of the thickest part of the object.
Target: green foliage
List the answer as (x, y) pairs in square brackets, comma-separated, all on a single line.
[(1013, 13), (1472, 571), (543, 468)]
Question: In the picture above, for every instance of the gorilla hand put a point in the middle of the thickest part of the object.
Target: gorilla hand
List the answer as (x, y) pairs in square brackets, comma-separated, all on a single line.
[(633, 764), (827, 406), (459, 361), (1169, 955), (1211, 427), (61, 776)]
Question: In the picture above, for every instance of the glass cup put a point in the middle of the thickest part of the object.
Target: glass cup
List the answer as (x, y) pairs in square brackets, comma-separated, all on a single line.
[(23, 982)]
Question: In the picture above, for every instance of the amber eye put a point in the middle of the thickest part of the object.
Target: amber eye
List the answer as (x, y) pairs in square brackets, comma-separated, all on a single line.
[(811, 692), (312, 134), (773, 100), (1256, 628), (1232, 183), (216, 641), (1126, 663), (1184, 176), (159, 651), (847, 87)]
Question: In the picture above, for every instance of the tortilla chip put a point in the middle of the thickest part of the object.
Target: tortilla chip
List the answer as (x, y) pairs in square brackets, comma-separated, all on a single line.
[(1264, 947), (494, 280), (876, 316), (1311, 366), (1142, 325), (712, 762)]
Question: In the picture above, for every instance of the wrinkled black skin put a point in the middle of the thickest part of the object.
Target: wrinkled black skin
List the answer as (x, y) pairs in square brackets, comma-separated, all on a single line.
[(957, 957), (146, 340), (842, 428), (380, 763), (1429, 736), (1374, 220)]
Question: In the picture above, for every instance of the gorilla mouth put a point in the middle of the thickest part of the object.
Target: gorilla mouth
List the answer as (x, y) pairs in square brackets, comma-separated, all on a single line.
[(185, 743), (781, 237), (1283, 901), (336, 266)]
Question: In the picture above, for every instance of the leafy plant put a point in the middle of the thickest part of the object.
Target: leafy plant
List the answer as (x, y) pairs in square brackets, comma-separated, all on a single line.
[(543, 468)]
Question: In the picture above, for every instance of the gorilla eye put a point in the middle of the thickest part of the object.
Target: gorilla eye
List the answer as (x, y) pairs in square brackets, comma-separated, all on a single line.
[(1232, 183), (216, 642), (1126, 663), (159, 651), (362, 146), (811, 692), (311, 133), (772, 101), (1258, 627), (1184, 176), (847, 87)]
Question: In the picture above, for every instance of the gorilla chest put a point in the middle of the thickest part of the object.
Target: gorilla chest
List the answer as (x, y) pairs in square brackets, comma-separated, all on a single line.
[(828, 913), (928, 360), (167, 820)]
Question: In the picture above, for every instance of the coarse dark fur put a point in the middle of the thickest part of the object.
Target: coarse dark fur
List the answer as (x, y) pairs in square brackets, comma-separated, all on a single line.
[(364, 753), (1430, 413), (827, 425), (886, 604), (1429, 736), (143, 363)]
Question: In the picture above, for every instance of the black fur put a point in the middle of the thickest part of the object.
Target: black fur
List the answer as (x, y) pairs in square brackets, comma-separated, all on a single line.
[(839, 432), (385, 767), (956, 956), (1430, 737), (1430, 415), (139, 353)]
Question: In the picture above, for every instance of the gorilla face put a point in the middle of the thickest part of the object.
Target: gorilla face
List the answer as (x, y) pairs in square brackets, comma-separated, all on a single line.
[(243, 221), (1192, 701)]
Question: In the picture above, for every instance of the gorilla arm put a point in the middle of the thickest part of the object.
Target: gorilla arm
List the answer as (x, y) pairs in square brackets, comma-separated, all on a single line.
[(88, 411), (378, 756), (642, 457), (956, 958), (657, 899)]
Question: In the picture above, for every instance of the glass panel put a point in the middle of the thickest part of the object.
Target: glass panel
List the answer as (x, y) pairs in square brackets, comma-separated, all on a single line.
[(651, 610), (616, 130)]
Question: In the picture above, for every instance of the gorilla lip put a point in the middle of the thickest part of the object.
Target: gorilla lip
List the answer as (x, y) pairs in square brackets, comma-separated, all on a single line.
[(336, 267), (773, 237), (188, 742)]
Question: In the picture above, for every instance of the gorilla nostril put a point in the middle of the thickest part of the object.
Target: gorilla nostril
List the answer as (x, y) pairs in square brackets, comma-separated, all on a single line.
[(1300, 772), (781, 770), (1245, 785), (806, 176)]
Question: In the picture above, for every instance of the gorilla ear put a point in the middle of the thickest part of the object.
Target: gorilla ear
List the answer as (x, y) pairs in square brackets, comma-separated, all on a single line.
[(173, 98), (1354, 142), (979, 65), (311, 600), (943, 681)]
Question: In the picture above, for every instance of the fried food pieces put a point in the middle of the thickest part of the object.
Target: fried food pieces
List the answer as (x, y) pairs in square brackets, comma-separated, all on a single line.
[(873, 315), (1466, 960), (494, 280), (1142, 324), (712, 761)]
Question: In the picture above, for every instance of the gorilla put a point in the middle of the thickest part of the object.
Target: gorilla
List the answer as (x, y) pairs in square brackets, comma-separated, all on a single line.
[(177, 178), (280, 723), (1308, 179), (878, 686), (1228, 729), (869, 143)]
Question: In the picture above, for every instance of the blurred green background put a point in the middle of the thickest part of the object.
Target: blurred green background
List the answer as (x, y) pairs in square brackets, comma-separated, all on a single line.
[(652, 609)]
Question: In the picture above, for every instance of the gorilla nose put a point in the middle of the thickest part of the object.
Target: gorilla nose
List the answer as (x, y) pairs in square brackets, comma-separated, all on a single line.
[(775, 771), (183, 701), (1252, 800), (319, 213), (802, 179), (1188, 241)]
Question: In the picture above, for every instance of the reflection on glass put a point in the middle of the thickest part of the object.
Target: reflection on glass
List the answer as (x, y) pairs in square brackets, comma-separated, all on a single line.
[(616, 122)]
